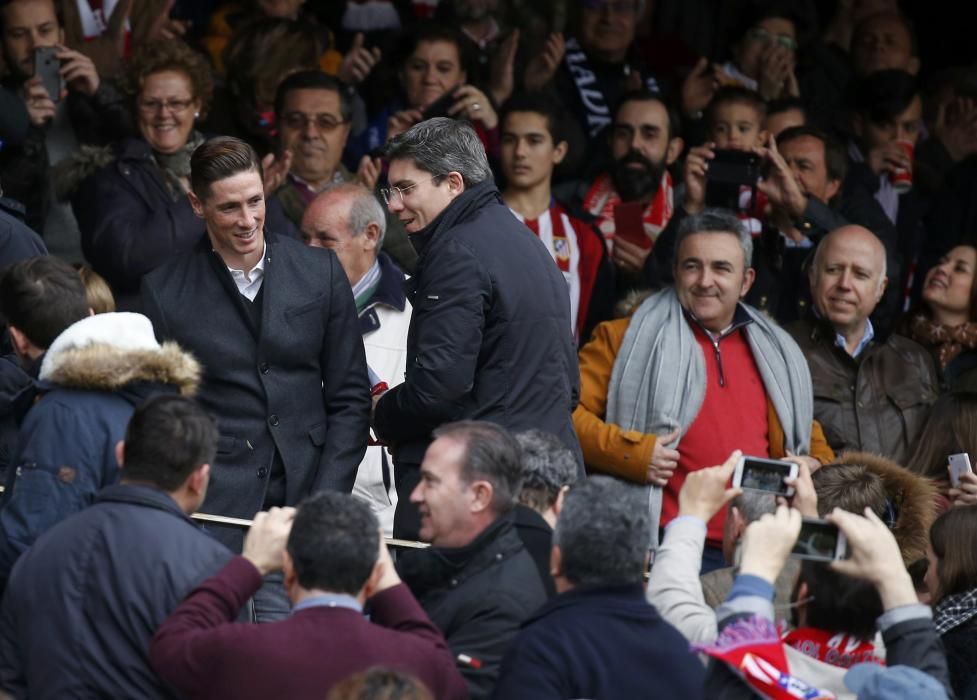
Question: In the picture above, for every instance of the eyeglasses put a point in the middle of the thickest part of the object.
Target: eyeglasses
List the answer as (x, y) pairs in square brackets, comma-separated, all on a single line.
[(172, 106), (397, 194), (323, 122), (761, 35)]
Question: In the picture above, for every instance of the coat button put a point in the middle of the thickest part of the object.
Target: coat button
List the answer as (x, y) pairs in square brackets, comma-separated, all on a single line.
[(262, 472), (273, 420), (264, 367), (454, 582)]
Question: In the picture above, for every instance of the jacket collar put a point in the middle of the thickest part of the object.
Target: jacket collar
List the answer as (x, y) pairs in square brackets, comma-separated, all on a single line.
[(389, 292), (630, 595), (458, 211), (142, 495), (740, 319)]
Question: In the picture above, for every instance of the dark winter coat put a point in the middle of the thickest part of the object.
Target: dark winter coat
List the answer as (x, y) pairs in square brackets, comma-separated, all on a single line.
[(478, 596), (284, 375), (66, 445), (960, 644), (84, 602), (599, 642), (490, 335)]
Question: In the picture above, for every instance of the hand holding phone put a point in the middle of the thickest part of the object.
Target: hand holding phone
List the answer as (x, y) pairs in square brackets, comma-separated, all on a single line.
[(958, 464), (629, 224), (47, 67), (767, 475), (819, 541)]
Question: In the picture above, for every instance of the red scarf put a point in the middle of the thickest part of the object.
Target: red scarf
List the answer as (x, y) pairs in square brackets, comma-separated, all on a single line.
[(834, 648), (602, 198)]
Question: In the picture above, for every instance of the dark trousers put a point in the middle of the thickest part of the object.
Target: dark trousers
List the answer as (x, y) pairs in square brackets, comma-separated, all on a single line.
[(407, 519)]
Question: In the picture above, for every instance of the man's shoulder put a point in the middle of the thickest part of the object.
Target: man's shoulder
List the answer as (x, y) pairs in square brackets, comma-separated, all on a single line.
[(174, 270), (907, 348)]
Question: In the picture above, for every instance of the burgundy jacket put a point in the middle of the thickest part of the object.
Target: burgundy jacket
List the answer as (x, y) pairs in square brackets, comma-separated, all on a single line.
[(201, 652)]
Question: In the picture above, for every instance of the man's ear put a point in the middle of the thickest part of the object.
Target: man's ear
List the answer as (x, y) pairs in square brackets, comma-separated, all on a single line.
[(197, 481), (560, 152), (883, 283), (120, 453), (456, 183), (913, 66), (288, 571), (675, 146), (22, 345), (372, 582), (560, 498), (556, 562), (196, 205), (832, 190), (371, 235), (749, 276), (482, 495)]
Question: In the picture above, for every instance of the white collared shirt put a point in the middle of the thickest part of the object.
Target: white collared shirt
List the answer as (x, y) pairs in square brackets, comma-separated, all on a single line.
[(249, 283)]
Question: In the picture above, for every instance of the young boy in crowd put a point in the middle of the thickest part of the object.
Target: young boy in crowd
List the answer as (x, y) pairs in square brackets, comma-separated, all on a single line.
[(736, 118), (532, 147)]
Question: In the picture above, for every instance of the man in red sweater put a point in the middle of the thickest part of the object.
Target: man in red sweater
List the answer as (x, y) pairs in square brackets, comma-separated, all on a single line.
[(694, 374), (331, 568)]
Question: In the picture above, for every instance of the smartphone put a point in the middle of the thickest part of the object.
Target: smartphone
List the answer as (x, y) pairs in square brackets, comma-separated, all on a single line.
[(819, 541), (48, 68), (629, 224), (440, 107), (959, 464), (760, 474), (729, 171)]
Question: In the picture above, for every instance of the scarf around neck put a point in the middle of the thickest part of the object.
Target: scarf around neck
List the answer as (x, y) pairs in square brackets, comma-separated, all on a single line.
[(175, 166), (946, 341), (955, 610), (602, 198)]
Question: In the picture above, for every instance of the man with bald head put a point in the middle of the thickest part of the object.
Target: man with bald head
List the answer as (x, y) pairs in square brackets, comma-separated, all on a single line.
[(348, 219), (871, 393)]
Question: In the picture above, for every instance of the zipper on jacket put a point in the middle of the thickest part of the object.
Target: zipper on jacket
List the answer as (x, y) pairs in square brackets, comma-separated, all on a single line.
[(719, 359)]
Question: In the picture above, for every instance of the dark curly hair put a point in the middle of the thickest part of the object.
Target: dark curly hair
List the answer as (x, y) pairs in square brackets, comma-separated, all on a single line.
[(172, 55)]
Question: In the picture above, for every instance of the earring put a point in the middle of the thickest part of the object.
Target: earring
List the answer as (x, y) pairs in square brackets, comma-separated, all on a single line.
[(196, 115)]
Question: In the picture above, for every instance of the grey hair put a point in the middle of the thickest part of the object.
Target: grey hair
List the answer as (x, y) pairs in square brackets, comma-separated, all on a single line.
[(491, 454), (716, 220), (364, 209), (603, 532), (547, 466), (441, 146), (753, 505)]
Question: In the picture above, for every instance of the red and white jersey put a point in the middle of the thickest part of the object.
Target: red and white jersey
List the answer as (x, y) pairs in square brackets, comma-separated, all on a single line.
[(556, 231)]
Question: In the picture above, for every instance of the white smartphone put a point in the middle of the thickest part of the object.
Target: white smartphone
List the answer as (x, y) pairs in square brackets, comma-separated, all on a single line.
[(959, 464), (761, 474), (819, 540)]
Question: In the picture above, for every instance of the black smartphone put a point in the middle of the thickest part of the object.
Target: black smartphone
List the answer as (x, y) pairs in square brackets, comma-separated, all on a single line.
[(819, 541), (48, 68), (440, 107), (729, 171)]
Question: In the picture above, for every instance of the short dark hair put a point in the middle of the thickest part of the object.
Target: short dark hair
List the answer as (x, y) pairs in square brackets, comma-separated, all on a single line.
[(492, 454), (603, 532), (544, 104), (334, 543), (427, 32), (547, 466), (734, 94), (41, 297), (835, 156), (313, 80), (838, 603), (4, 4), (219, 158), (646, 95), (883, 95), (953, 537), (168, 437), (785, 104)]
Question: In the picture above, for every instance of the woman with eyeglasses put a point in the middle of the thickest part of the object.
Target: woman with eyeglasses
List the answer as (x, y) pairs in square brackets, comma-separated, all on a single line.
[(764, 58), (130, 199)]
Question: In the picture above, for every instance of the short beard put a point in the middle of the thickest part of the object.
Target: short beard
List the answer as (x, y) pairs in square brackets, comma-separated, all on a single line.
[(636, 185)]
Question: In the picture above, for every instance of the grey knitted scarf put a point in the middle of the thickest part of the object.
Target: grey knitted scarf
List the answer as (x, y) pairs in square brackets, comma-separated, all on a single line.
[(658, 381)]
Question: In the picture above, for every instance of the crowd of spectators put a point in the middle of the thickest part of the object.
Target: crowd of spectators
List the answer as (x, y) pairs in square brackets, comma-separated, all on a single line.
[(408, 349)]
